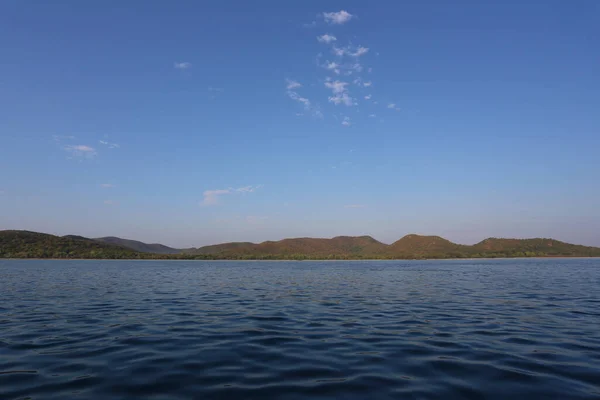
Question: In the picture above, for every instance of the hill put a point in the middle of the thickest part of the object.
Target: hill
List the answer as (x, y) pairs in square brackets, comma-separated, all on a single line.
[(539, 247), (25, 244), (138, 246), (299, 248), (417, 246)]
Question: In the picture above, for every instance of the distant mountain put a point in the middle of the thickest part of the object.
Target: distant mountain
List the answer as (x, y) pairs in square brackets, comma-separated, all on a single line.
[(24, 244), (139, 246)]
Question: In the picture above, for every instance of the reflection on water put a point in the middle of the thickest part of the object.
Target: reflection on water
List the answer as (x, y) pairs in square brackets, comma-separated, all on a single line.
[(298, 330)]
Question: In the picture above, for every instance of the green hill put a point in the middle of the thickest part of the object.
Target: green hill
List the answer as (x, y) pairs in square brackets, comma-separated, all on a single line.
[(25, 244), (494, 247)]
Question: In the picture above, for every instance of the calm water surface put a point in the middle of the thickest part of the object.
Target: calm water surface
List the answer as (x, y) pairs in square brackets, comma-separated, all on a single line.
[(492, 329)]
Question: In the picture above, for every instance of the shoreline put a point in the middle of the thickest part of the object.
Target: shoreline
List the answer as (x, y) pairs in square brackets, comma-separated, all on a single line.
[(319, 260)]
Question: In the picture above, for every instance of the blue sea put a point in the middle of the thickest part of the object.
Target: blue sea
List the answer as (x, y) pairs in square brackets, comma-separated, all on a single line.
[(456, 329)]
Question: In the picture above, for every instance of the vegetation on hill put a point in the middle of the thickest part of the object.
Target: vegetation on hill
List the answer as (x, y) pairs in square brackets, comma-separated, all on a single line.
[(139, 246), (300, 248), (24, 244)]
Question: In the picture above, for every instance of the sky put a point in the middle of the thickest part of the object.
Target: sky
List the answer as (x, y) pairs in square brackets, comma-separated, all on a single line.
[(197, 122)]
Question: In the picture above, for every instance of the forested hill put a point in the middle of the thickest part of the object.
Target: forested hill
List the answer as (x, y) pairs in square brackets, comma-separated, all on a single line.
[(25, 244)]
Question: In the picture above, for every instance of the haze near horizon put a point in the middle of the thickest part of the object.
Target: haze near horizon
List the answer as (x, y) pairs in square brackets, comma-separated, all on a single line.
[(193, 123)]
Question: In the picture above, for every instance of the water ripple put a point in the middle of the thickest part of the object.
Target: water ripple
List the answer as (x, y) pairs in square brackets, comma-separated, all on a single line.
[(340, 330)]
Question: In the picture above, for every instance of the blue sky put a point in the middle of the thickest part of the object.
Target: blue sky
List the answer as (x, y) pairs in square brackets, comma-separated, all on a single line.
[(190, 123)]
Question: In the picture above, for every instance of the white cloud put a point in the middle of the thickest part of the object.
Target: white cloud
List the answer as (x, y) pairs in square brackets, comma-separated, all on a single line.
[(110, 145), (368, 97), (341, 98), (291, 84), (340, 17), (340, 93), (333, 66), (392, 106), (357, 67), (247, 189), (182, 65), (372, 116), (81, 151), (211, 197), (107, 185), (308, 106), (215, 89), (360, 51), (346, 121), (336, 86), (355, 206), (326, 38), (338, 51), (368, 84), (295, 96)]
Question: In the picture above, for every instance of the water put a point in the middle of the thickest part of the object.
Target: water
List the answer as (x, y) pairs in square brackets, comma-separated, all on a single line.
[(466, 329)]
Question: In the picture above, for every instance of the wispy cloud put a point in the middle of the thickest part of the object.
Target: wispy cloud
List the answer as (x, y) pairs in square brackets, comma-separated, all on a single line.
[(392, 106), (109, 145), (292, 94), (368, 97), (372, 116), (211, 197), (332, 66), (326, 38), (368, 84), (349, 51), (357, 67), (215, 89), (346, 121), (295, 96), (336, 86), (338, 51), (107, 185), (292, 84), (341, 98), (355, 206), (81, 151), (340, 93), (182, 65), (337, 18), (58, 138), (360, 51)]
